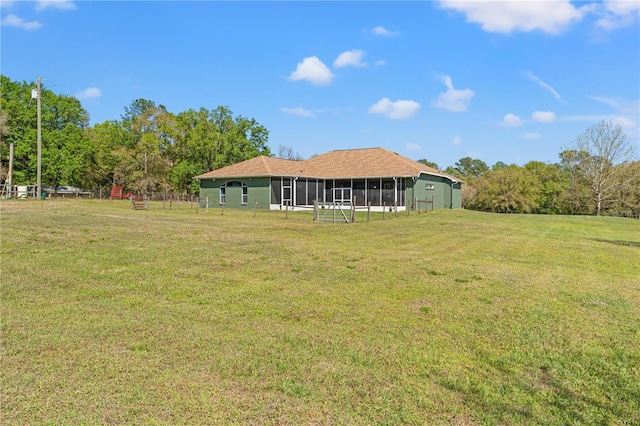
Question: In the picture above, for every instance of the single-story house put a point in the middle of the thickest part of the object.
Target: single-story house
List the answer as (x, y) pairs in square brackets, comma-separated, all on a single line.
[(372, 175)]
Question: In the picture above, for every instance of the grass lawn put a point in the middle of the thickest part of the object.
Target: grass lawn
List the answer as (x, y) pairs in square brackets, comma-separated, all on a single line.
[(115, 316)]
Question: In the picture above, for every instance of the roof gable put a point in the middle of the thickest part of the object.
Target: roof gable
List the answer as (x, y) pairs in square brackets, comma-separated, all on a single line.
[(258, 166)]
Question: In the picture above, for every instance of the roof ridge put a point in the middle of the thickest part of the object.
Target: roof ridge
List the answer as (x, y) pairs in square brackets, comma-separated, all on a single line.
[(265, 163)]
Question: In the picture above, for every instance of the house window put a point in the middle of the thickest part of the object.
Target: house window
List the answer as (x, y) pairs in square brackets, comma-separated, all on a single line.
[(234, 184), (429, 186)]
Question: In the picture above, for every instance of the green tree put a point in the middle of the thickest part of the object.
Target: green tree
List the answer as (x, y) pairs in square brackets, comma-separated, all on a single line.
[(67, 158), (429, 163), (153, 131), (511, 189), (499, 165), (575, 194), (208, 140), (552, 181), (469, 168), (4, 130), (627, 198), (66, 153)]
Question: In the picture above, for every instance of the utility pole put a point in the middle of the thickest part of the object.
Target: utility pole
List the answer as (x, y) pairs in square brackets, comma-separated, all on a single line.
[(39, 178), (10, 174)]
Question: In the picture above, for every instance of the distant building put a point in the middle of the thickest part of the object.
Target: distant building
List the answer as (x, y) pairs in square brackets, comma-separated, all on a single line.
[(372, 175)]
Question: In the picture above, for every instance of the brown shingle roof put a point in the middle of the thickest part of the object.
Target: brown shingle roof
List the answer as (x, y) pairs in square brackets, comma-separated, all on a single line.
[(348, 163), (258, 166)]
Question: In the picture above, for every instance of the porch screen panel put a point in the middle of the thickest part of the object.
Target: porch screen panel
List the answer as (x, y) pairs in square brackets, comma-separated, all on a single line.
[(401, 191), (312, 191), (321, 191), (276, 190), (373, 192), (388, 191), (301, 192), (328, 191), (343, 183), (359, 192)]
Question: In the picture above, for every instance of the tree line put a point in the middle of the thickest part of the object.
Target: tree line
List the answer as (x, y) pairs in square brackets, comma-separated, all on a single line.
[(596, 174), (151, 149)]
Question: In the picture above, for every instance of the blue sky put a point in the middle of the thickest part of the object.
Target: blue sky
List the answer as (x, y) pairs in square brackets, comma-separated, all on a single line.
[(509, 81)]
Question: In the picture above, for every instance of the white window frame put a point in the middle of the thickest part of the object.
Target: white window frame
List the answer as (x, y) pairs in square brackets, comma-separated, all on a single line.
[(245, 194)]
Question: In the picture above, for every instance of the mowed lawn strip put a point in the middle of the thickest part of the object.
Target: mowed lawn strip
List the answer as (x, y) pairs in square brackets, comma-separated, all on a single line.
[(178, 316)]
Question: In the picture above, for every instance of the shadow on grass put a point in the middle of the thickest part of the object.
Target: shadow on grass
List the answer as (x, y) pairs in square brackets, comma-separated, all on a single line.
[(541, 395), (618, 242)]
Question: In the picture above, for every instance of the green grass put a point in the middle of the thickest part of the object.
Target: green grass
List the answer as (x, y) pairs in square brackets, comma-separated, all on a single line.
[(115, 316)]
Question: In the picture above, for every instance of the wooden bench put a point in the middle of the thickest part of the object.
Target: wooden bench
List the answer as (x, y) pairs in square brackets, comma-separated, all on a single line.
[(139, 204)]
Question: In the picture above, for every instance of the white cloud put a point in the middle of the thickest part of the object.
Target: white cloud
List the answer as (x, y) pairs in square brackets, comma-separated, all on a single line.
[(412, 146), (543, 116), (617, 14), (313, 70), (382, 31), (622, 106), (531, 136), (550, 16), (457, 140), (89, 93), (6, 4), (622, 7), (511, 120), (298, 111), (398, 110), (351, 58), (453, 99), (545, 86), (380, 63), (625, 123), (12, 20), (55, 4)]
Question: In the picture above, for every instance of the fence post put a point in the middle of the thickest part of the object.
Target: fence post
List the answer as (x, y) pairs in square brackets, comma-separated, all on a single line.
[(316, 213), (384, 208), (395, 208), (368, 211), (170, 201), (286, 209), (254, 209), (353, 210)]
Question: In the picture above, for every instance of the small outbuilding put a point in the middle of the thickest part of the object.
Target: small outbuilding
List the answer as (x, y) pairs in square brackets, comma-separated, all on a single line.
[(371, 175)]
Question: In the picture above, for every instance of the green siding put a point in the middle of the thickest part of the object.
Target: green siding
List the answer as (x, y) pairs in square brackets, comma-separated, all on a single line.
[(444, 194), (457, 196), (258, 190)]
